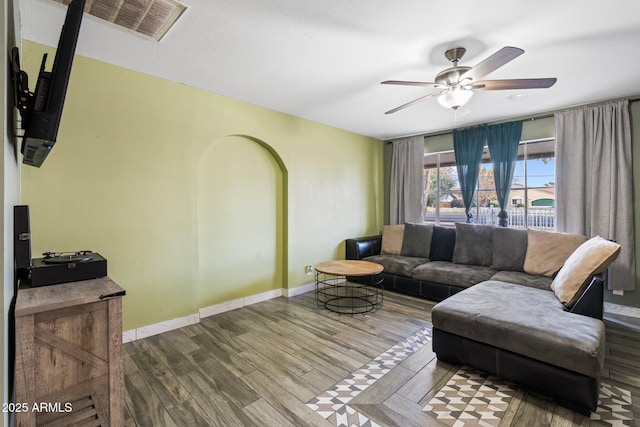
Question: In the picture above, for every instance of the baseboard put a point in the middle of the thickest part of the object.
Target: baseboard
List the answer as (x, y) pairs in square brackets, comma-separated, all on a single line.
[(158, 328), (212, 310), (299, 290), (622, 310)]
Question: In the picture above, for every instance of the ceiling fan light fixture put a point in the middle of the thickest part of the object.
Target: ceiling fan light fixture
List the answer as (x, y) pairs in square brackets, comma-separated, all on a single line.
[(455, 97), (458, 83)]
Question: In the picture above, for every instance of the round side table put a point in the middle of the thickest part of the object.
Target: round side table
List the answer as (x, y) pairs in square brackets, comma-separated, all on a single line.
[(349, 286)]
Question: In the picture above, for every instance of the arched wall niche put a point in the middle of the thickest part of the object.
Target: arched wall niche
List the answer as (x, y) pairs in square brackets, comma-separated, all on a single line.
[(241, 220)]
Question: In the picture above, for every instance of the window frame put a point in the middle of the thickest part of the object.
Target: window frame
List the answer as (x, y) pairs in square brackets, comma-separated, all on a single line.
[(524, 200)]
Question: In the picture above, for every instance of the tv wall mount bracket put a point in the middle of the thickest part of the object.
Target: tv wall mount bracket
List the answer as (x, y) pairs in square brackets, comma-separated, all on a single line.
[(24, 100)]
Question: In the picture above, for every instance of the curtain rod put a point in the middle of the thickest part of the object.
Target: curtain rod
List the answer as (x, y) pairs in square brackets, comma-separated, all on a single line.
[(633, 99)]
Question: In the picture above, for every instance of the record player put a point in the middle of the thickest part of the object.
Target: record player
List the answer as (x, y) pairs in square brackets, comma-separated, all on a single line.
[(62, 267), (54, 267)]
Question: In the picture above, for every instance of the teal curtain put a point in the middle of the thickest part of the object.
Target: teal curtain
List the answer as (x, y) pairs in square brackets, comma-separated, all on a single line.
[(467, 147), (503, 140)]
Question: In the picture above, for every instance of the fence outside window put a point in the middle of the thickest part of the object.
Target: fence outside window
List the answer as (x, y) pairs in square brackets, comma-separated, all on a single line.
[(537, 218)]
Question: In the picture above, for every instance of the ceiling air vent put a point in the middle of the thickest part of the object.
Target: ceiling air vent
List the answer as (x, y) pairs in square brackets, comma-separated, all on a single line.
[(151, 18)]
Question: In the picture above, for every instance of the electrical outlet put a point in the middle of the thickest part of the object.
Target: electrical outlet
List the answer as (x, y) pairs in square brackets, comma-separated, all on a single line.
[(309, 270)]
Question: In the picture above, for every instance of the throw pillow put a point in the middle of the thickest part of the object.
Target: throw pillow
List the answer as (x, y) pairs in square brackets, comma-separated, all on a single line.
[(473, 244), (592, 257), (547, 251), (392, 236), (509, 249), (417, 240), (443, 241)]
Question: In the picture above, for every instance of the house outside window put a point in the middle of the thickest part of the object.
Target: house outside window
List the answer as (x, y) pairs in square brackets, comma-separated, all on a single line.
[(532, 193)]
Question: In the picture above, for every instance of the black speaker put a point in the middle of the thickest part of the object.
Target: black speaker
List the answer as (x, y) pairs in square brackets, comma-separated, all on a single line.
[(21, 240)]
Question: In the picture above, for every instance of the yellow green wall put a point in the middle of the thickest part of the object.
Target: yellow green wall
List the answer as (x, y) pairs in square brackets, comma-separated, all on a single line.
[(195, 199)]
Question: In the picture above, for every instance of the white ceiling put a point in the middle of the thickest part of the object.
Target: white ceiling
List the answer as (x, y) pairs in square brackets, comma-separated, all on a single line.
[(323, 60)]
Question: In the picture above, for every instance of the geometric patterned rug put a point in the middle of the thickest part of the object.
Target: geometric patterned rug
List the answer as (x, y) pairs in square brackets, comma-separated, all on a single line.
[(614, 406), (332, 404), (469, 398), (473, 398)]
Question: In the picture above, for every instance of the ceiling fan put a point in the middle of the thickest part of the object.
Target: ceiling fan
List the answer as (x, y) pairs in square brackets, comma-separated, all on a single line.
[(457, 84)]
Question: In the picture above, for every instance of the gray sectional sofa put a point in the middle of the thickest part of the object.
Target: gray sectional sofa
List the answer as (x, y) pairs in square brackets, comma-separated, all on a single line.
[(524, 305), (436, 262)]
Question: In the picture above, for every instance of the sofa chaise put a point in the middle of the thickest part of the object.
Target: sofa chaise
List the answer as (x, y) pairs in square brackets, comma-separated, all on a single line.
[(524, 305)]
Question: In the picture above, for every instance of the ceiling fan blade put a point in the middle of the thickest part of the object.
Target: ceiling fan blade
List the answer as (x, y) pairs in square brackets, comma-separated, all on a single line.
[(415, 101), (405, 83), (514, 84), (492, 63)]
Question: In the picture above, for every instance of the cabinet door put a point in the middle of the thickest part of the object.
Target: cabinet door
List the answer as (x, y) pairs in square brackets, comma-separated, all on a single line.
[(68, 363)]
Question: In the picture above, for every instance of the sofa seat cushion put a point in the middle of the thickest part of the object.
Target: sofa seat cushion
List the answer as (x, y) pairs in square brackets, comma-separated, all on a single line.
[(397, 264), (524, 320), (448, 273), (524, 279)]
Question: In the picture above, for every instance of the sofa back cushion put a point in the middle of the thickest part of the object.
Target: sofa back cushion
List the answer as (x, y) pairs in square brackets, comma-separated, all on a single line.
[(443, 241), (547, 251), (509, 249), (474, 244), (417, 240), (392, 236), (592, 257)]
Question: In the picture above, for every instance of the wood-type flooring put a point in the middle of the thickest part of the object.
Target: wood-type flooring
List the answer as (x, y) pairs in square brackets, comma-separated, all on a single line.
[(260, 365)]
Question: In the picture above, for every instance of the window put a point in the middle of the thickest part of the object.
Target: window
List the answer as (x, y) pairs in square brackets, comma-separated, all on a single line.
[(534, 182), (532, 193), (443, 202)]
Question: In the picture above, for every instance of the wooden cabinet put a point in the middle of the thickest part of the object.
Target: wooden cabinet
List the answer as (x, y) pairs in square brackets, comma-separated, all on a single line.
[(69, 354)]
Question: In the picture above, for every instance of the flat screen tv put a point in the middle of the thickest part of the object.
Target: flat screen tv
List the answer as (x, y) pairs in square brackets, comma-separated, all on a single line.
[(41, 110)]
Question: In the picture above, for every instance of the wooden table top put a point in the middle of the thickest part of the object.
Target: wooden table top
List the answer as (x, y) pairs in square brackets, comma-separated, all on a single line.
[(349, 268), (32, 300)]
